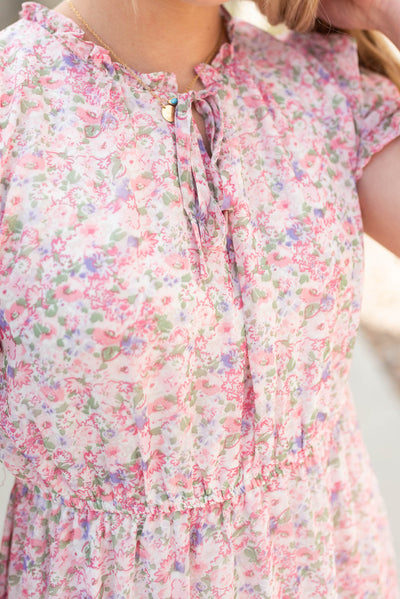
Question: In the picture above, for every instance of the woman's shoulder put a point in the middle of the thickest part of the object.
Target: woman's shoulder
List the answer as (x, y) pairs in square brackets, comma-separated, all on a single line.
[(23, 45), (41, 37), (321, 57), (14, 51), (335, 52)]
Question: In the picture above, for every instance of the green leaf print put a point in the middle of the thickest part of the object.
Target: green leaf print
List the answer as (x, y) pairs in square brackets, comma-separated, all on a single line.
[(184, 423), (48, 444), (257, 294), (96, 317), (231, 440), (117, 235), (51, 311), (26, 105), (90, 405), (39, 330), (168, 197), (311, 310), (252, 554), (13, 579), (14, 224), (116, 166), (109, 353), (73, 177), (92, 130), (163, 324), (291, 365)]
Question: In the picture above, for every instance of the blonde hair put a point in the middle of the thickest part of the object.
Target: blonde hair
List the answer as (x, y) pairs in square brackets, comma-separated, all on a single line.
[(301, 15)]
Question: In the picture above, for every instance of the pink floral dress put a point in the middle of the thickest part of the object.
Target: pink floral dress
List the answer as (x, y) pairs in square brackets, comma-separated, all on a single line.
[(177, 329)]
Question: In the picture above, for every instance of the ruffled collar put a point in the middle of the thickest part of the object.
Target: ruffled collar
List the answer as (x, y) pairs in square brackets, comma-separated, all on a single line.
[(72, 35)]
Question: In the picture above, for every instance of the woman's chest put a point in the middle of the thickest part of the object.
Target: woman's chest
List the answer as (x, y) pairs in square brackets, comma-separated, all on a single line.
[(131, 227)]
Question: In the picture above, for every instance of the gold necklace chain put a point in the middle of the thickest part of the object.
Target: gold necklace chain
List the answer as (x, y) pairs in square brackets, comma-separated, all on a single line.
[(167, 109)]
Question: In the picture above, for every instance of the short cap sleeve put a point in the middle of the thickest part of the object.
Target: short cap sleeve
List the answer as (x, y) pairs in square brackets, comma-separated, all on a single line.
[(373, 99)]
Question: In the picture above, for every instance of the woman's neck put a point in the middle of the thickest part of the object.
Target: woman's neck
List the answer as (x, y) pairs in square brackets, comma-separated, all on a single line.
[(159, 35)]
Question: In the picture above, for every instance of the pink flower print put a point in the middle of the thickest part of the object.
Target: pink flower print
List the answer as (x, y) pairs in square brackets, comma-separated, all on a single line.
[(278, 259), (311, 296), (179, 585), (145, 141), (205, 311), (163, 572), (142, 120), (125, 560), (64, 292), (32, 295), (5, 100), (106, 337), (88, 117), (147, 243), (8, 344), (63, 457), (161, 169), (176, 261), (232, 425), (95, 293), (32, 162), (39, 546), (104, 163), (179, 480), (22, 374), (58, 245), (140, 183), (141, 551), (59, 161), (22, 265), (88, 229), (112, 251), (15, 201), (46, 425), (180, 336), (90, 457), (52, 395), (320, 272), (134, 217), (14, 312), (77, 386), (161, 404), (69, 533), (349, 226), (49, 83), (128, 155), (200, 343), (30, 237), (166, 300), (264, 357), (309, 160), (251, 266), (157, 459), (254, 101), (318, 345)]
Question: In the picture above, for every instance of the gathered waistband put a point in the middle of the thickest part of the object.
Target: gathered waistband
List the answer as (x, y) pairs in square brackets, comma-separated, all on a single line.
[(331, 434)]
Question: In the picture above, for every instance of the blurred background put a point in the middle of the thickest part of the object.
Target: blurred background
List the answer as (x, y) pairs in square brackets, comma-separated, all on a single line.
[(376, 368)]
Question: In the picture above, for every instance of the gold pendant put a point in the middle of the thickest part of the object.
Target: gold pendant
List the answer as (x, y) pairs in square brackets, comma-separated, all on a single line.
[(168, 110)]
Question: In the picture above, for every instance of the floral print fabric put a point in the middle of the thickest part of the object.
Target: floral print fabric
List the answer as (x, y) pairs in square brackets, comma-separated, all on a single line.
[(177, 328)]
